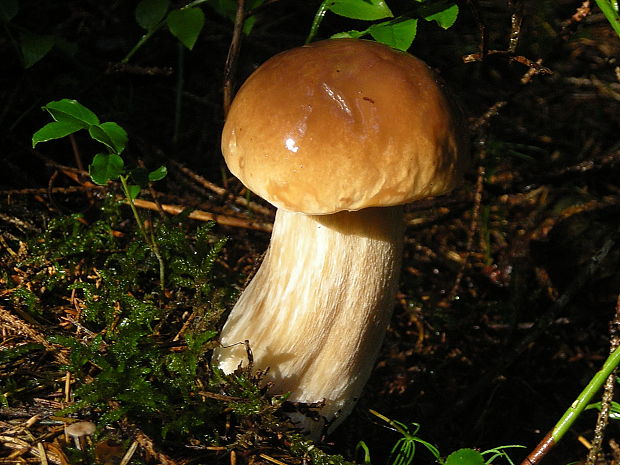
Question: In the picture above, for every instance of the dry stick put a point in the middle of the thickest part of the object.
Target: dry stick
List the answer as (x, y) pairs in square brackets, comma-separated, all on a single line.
[(54, 190), (206, 216), (76, 153), (608, 393), (129, 454), (223, 192), (233, 54), (484, 120), (42, 454), (516, 19), (17, 324), (484, 36), (473, 227)]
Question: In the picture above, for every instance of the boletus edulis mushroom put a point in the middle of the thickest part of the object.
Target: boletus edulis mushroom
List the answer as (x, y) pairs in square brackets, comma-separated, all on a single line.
[(337, 135)]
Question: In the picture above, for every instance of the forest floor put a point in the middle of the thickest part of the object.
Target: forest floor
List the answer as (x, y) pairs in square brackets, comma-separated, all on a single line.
[(509, 285)]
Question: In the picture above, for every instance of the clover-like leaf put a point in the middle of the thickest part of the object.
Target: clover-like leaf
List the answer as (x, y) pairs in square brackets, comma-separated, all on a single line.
[(158, 174), (149, 13), (133, 190), (465, 457), (398, 34), (69, 110), (110, 134), (368, 10), (34, 47), (106, 167), (186, 25), (55, 130), (445, 18)]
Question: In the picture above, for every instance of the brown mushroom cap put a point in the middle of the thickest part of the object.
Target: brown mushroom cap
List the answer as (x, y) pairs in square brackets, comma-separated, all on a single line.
[(81, 428), (343, 125)]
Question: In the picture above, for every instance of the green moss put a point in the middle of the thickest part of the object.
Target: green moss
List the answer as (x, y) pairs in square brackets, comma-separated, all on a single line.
[(140, 356)]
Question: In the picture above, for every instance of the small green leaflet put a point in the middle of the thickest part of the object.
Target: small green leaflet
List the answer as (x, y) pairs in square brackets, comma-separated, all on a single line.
[(133, 190), (55, 130), (186, 25), (109, 134), (149, 13), (105, 167), (158, 174), (397, 34), (445, 18), (34, 47), (465, 457), (70, 110), (368, 10)]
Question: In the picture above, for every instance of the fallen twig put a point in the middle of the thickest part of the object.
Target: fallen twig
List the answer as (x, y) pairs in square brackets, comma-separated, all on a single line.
[(206, 216), (223, 192), (20, 326), (233, 54)]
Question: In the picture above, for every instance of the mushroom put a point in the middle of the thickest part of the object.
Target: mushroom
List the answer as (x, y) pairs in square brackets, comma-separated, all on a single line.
[(337, 135), (79, 430)]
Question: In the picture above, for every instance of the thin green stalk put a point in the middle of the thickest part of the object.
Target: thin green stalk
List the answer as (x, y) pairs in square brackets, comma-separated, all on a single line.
[(134, 210), (569, 417), (162, 276), (150, 33), (586, 395), (149, 240), (318, 18), (611, 13), (141, 42)]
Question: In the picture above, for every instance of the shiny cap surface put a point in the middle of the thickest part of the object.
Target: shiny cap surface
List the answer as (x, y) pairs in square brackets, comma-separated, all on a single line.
[(343, 124)]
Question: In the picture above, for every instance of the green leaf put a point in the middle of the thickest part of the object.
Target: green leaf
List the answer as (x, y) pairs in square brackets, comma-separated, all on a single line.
[(445, 18), (248, 24), (69, 110), (34, 47), (349, 34), (465, 457), (8, 10), (186, 25), (396, 34), (149, 13), (105, 167), (133, 191), (55, 130), (158, 174), (110, 134), (368, 10)]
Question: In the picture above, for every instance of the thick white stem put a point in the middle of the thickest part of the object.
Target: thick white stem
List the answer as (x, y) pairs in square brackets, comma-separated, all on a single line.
[(317, 310)]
